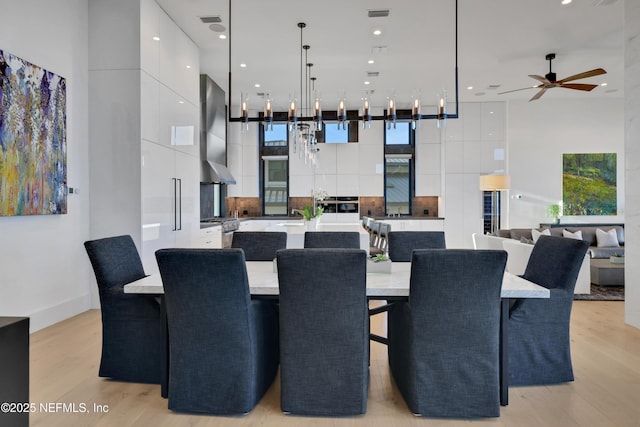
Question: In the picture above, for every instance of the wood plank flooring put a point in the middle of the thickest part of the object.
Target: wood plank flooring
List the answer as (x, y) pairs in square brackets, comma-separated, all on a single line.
[(606, 357)]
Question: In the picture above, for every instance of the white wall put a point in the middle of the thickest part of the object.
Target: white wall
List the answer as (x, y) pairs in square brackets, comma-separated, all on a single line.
[(632, 150), (539, 133), (45, 272)]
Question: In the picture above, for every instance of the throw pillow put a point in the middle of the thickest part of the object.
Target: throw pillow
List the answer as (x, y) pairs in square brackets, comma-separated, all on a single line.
[(607, 239), (577, 235), (525, 240), (535, 234)]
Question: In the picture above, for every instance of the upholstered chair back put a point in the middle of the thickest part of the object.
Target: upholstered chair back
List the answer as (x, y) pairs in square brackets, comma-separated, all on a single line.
[(324, 331), (131, 324), (402, 243), (223, 347), (539, 346), (332, 239), (444, 342), (259, 245)]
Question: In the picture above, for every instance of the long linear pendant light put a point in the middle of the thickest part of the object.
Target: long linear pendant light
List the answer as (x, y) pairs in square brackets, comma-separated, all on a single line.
[(391, 116)]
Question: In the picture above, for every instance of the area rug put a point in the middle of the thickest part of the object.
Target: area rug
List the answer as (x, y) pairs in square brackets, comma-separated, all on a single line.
[(602, 293)]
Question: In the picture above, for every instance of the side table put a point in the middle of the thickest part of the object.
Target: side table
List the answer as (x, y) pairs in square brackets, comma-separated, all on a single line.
[(14, 370), (606, 273)]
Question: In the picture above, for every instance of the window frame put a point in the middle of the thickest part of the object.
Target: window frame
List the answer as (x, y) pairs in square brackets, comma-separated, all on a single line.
[(399, 151), (271, 153)]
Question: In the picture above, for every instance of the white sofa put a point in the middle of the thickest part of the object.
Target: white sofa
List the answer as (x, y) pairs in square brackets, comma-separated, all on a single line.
[(518, 256)]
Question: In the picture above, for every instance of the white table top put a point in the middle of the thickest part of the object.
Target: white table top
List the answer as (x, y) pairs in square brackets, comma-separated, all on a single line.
[(264, 281)]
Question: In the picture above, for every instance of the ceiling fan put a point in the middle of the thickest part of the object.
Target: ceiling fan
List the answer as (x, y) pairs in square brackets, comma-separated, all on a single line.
[(549, 80)]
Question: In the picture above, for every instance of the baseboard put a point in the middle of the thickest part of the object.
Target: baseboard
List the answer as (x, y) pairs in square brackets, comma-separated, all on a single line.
[(57, 313)]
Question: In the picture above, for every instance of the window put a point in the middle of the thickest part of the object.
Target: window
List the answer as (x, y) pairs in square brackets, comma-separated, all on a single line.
[(276, 193), (399, 175), (335, 135), (397, 188), (400, 135), (276, 137), (274, 169)]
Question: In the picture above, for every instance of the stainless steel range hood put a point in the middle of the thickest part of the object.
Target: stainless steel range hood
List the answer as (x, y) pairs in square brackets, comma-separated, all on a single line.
[(213, 134), (215, 172)]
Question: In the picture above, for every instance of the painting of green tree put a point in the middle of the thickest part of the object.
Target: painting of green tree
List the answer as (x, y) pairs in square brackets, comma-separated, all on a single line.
[(589, 184)]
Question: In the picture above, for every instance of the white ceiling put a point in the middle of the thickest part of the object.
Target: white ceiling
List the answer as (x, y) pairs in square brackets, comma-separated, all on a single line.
[(500, 43)]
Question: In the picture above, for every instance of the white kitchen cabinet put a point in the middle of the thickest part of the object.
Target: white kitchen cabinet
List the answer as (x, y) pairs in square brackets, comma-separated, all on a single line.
[(169, 205), (415, 224), (210, 237), (144, 114)]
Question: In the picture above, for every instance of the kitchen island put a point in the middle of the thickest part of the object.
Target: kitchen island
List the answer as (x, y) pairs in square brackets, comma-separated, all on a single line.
[(295, 231)]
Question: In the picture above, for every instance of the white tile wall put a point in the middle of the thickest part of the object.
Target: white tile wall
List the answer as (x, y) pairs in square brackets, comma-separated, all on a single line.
[(632, 169)]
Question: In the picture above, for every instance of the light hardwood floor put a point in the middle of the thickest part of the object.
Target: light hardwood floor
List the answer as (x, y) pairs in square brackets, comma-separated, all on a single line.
[(606, 358)]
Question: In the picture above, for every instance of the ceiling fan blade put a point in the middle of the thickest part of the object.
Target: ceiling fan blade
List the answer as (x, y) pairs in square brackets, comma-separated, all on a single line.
[(517, 90), (538, 95), (591, 73), (579, 86), (541, 79)]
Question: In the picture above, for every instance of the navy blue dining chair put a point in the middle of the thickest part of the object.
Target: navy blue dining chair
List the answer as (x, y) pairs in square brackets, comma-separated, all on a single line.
[(444, 341), (324, 331), (259, 245), (223, 346), (131, 324), (332, 239), (539, 341), (402, 243)]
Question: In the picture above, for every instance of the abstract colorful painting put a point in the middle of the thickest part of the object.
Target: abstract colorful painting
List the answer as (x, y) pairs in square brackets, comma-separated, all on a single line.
[(589, 184), (33, 141)]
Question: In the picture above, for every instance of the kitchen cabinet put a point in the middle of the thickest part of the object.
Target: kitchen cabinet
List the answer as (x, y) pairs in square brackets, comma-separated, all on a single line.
[(169, 191), (144, 127), (210, 237), (402, 224)]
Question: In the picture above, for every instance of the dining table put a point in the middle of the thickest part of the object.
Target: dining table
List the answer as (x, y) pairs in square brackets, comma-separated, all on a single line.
[(263, 282)]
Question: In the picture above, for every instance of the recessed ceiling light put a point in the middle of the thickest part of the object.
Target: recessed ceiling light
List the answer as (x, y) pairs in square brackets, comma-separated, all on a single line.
[(180, 102), (367, 83), (371, 61), (257, 85), (565, 1), (490, 112), (188, 66), (156, 38), (223, 36), (243, 65), (469, 87), (218, 28), (603, 84), (377, 32)]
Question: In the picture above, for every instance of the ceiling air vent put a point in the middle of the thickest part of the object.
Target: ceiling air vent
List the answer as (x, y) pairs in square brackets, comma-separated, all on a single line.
[(373, 73), (211, 19), (381, 13), (379, 49)]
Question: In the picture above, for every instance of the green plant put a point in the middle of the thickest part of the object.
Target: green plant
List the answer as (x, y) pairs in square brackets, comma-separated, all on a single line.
[(553, 211), (380, 258), (308, 214)]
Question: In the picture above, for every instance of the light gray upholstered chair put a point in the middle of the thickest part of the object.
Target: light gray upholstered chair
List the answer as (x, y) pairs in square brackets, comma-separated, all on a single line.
[(223, 346), (324, 331), (332, 239), (402, 243), (381, 244), (131, 324), (259, 245), (444, 342), (539, 342)]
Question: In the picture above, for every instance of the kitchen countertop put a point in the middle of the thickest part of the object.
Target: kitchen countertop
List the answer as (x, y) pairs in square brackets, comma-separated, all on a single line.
[(298, 217)]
